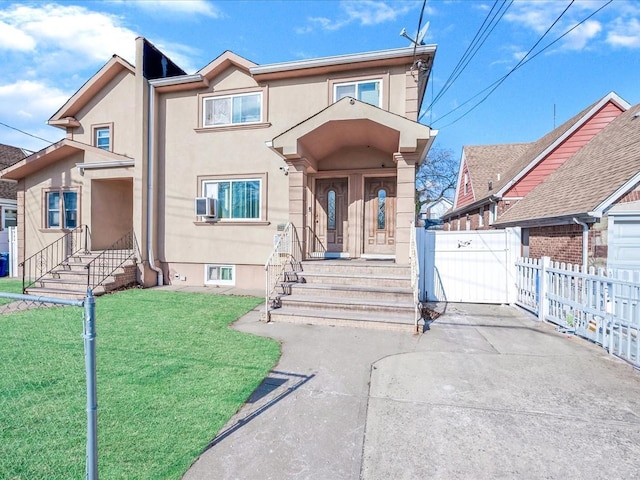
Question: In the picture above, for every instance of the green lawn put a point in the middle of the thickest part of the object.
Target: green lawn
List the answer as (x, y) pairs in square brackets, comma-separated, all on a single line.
[(170, 374), (9, 285)]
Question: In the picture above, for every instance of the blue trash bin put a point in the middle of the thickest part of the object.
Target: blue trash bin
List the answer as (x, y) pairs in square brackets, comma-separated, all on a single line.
[(4, 264)]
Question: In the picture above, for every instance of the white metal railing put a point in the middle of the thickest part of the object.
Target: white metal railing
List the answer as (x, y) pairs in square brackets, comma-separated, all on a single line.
[(287, 253), (602, 306), (415, 273)]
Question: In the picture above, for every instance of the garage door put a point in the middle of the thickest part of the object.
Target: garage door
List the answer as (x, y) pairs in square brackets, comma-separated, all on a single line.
[(624, 242)]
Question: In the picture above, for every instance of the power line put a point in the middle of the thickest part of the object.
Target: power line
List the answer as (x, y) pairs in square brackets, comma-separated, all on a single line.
[(477, 42), (26, 133), (526, 59)]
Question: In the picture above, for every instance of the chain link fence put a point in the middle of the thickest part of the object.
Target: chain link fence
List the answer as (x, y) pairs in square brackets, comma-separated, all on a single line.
[(48, 407)]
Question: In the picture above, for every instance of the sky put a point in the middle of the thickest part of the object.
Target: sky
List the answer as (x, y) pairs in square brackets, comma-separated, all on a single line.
[(48, 50)]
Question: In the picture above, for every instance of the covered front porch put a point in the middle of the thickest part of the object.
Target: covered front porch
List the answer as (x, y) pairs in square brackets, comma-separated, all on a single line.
[(351, 171)]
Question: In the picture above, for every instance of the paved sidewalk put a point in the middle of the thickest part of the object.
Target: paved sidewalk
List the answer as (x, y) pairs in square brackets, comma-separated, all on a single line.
[(486, 393)]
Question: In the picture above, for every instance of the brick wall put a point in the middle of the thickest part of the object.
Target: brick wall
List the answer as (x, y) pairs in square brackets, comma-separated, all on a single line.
[(563, 243), (632, 196)]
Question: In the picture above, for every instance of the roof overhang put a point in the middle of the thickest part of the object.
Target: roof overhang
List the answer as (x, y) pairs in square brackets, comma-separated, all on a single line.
[(317, 66), (54, 153), (566, 219), (351, 123)]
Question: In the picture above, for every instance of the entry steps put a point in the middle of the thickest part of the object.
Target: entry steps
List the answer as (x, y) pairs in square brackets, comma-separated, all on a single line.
[(355, 293)]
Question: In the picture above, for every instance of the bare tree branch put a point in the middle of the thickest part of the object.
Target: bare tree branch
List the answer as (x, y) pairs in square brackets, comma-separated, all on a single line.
[(436, 177)]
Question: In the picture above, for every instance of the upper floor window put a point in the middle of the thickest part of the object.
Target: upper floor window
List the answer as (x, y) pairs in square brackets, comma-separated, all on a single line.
[(369, 91), (466, 183), (102, 137), (232, 109), (61, 209), (236, 199)]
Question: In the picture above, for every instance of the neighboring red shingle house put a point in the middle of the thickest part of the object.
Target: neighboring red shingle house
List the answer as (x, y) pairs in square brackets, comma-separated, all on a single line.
[(495, 180), (8, 211)]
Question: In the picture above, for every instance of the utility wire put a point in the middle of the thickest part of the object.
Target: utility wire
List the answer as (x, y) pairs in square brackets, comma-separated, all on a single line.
[(477, 42), (26, 133), (521, 63), (415, 43)]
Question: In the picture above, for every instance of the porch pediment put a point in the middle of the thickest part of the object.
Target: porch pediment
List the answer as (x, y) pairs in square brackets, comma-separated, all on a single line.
[(351, 123)]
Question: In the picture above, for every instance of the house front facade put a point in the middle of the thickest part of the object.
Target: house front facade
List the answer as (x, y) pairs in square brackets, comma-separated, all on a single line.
[(207, 169)]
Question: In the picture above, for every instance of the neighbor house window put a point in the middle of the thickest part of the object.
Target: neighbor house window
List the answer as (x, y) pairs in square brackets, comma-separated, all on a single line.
[(466, 183), (366, 91), (219, 275), (62, 209), (236, 199), (10, 218), (232, 109), (102, 138), (481, 217)]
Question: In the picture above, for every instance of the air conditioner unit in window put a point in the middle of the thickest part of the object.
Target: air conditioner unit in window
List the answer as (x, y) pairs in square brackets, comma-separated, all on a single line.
[(206, 207)]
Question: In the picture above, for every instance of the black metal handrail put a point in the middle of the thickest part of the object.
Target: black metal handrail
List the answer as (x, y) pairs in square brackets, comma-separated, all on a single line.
[(104, 265), (53, 255)]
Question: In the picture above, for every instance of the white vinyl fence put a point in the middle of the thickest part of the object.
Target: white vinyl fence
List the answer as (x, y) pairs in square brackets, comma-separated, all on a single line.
[(474, 266), (602, 306)]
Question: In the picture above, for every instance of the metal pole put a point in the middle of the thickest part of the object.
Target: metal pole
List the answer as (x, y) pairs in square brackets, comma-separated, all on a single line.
[(89, 336)]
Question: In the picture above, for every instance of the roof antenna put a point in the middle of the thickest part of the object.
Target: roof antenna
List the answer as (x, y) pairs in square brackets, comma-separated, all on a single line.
[(419, 40)]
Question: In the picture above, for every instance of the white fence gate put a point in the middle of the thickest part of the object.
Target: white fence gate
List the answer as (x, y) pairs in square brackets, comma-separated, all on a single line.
[(469, 266)]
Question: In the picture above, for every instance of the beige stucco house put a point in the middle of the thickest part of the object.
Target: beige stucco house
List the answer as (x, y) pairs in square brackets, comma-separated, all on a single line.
[(329, 144)]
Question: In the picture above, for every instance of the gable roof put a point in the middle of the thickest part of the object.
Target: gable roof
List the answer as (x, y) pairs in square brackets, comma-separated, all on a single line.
[(489, 163), (547, 143), (63, 117), (325, 131), (10, 155), (591, 180), (504, 165), (224, 61), (53, 153)]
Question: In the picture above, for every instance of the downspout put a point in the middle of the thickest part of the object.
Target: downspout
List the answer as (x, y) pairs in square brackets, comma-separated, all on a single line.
[(585, 241), (150, 193)]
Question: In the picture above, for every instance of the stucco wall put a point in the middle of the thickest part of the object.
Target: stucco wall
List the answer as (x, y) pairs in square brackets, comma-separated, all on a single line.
[(113, 106)]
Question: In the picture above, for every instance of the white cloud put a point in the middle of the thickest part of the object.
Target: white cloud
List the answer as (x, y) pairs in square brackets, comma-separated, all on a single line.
[(363, 13), (77, 35), (29, 99), (181, 7), (624, 33), (12, 38), (578, 38)]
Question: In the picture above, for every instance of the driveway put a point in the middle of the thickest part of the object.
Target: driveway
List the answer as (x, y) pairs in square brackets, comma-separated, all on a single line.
[(488, 392)]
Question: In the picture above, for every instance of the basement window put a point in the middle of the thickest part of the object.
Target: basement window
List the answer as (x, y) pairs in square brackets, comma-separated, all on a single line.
[(219, 274)]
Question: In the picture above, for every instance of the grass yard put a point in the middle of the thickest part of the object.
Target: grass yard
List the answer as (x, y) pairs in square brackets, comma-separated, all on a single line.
[(9, 285), (170, 375)]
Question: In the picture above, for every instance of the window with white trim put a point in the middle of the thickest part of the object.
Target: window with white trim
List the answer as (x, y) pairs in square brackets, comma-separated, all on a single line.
[(369, 91), (9, 217), (219, 274), (102, 138), (466, 183), (232, 109), (61, 209), (481, 217), (237, 199)]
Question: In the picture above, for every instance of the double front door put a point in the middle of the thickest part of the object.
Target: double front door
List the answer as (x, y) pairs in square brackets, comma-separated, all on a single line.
[(332, 215)]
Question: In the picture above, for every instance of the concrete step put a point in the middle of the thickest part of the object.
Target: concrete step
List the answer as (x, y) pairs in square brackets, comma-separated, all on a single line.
[(390, 294), (314, 303), (344, 278), (62, 292), (356, 267), (365, 319)]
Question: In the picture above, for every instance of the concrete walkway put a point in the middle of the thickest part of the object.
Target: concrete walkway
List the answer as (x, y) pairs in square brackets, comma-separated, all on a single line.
[(486, 393)]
